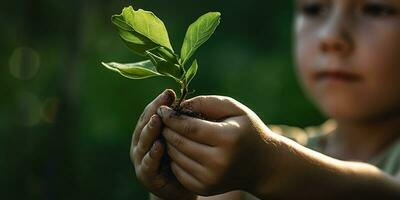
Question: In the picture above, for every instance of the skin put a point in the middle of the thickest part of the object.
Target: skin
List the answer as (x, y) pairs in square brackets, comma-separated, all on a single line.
[(210, 157), (147, 150), (345, 50), (361, 38)]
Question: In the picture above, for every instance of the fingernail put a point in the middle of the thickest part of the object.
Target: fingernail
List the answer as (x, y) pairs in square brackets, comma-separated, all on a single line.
[(165, 111), (156, 147), (161, 110), (167, 95), (153, 121)]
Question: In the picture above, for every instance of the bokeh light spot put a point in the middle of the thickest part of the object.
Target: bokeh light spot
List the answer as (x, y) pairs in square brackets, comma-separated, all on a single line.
[(24, 63), (50, 109)]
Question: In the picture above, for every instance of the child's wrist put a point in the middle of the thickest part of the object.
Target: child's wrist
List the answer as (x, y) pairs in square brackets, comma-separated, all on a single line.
[(277, 170)]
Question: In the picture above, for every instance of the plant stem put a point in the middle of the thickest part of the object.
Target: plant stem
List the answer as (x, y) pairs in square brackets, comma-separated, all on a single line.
[(184, 87), (184, 92)]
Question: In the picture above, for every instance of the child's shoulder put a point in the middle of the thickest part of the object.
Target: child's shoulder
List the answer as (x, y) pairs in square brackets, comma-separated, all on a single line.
[(389, 160), (312, 137)]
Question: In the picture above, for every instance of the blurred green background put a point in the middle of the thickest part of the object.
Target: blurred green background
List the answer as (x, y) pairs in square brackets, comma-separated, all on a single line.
[(66, 121)]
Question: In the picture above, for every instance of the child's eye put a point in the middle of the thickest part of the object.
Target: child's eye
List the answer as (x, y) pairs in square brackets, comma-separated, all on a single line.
[(313, 9), (378, 10)]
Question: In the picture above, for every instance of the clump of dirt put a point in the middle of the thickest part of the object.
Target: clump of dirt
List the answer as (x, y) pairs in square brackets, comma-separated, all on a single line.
[(183, 111)]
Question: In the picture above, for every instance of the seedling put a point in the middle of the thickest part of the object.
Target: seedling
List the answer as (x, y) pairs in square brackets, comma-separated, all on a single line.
[(145, 34)]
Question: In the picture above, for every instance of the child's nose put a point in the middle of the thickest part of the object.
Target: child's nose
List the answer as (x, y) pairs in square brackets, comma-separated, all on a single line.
[(335, 37)]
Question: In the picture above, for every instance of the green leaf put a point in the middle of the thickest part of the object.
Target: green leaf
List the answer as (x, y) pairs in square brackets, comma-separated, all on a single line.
[(165, 67), (148, 25), (191, 72), (165, 53), (119, 21), (138, 70), (198, 33), (137, 44), (134, 40)]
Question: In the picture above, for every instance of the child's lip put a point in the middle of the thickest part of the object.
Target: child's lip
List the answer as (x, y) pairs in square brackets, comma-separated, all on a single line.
[(337, 75)]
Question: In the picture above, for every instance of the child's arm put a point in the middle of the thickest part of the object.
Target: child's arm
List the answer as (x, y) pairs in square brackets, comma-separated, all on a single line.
[(309, 174), (235, 150)]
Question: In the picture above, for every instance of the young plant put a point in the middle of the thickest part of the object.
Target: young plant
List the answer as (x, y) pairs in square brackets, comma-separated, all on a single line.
[(145, 34)]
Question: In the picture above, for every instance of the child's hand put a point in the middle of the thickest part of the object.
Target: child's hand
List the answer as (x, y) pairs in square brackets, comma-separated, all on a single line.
[(219, 154), (146, 153)]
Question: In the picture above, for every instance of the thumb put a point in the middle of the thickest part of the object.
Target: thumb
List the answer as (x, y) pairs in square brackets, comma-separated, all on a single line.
[(214, 107)]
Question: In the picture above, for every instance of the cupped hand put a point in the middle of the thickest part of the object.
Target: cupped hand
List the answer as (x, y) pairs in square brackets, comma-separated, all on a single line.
[(220, 153), (147, 151)]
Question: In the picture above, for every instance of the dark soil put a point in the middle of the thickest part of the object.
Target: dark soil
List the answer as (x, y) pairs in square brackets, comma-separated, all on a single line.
[(187, 112)]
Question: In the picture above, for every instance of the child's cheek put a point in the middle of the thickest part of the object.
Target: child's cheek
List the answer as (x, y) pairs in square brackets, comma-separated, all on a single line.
[(377, 58), (306, 52), (382, 91)]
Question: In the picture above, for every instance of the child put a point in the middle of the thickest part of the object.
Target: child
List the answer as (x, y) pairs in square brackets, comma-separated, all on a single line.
[(348, 61)]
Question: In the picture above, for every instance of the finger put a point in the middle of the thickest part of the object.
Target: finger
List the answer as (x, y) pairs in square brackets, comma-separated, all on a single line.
[(189, 165), (214, 107), (186, 179), (198, 130), (152, 160), (165, 98), (196, 151), (149, 134)]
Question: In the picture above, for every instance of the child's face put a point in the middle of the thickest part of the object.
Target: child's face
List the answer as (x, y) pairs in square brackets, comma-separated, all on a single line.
[(348, 56)]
